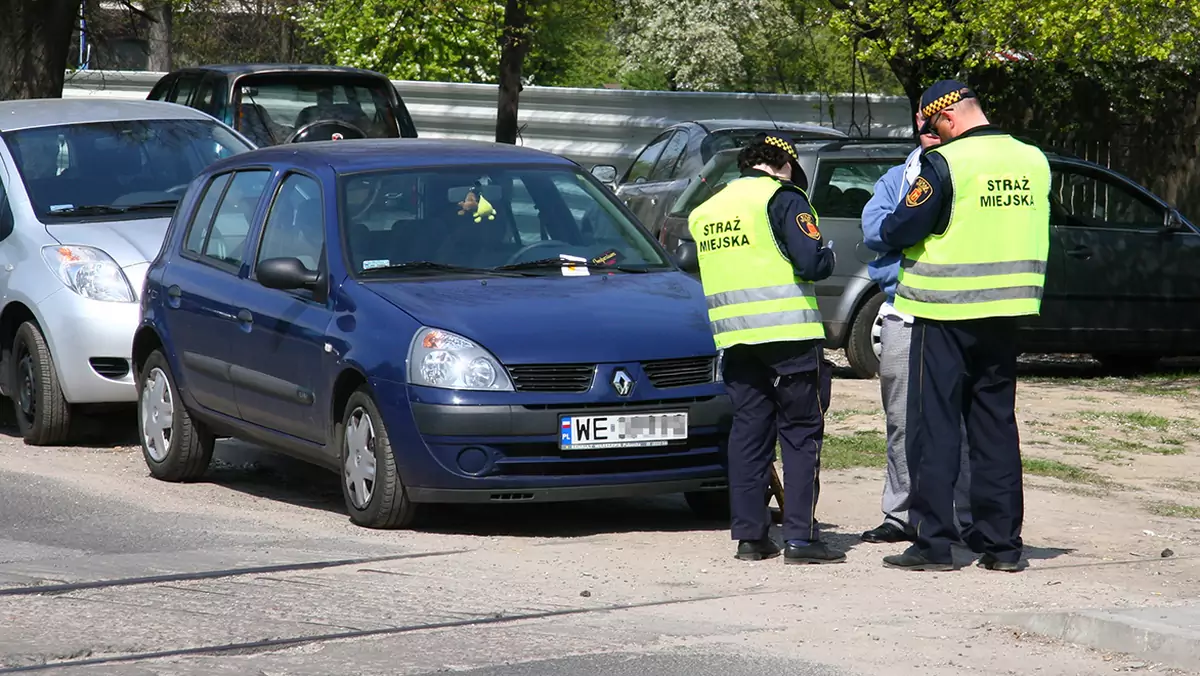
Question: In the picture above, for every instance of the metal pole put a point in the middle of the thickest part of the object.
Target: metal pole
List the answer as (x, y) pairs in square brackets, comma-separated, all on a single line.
[(82, 35)]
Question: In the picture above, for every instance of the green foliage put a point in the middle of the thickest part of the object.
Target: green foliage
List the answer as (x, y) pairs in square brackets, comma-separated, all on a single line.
[(443, 40)]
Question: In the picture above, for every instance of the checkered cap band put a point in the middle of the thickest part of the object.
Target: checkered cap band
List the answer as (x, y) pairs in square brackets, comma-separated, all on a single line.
[(941, 103), (780, 143)]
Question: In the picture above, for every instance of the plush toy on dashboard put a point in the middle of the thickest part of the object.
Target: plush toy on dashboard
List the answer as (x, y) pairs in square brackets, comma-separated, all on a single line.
[(477, 203)]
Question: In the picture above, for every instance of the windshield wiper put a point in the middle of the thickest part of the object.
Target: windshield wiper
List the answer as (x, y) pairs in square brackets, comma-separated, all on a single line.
[(429, 266), (93, 209), (547, 263)]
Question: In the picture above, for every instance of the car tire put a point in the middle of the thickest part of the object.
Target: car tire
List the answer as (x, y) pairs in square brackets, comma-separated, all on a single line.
[(178, 448), (374, 493), (862, 347), (709, 505), (43, 414)]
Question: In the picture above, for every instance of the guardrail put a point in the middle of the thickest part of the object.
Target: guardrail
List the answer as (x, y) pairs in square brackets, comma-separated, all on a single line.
[(590, 126)]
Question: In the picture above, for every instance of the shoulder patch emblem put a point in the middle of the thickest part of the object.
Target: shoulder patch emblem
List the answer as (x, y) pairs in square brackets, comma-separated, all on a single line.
[(920, 193), (808, 225)]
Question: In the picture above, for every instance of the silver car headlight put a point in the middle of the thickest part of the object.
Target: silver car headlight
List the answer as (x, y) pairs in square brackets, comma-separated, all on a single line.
[(89, 272), (442, 359), (719, 365)]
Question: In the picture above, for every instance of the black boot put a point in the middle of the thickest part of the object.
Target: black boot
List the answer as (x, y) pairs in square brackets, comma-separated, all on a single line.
[(757, 550), (990, 562), (813, 552), (913, 559), (888, 531)]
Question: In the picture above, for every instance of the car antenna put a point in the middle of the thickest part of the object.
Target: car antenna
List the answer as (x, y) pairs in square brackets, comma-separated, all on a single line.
[(768, 112)]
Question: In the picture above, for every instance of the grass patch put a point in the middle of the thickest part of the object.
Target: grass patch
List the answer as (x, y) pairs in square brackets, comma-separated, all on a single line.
[(1061, 471), (1140, 419), (1174, 509), (1076, 439), (843, 415), (861, 449), (1182, 485)]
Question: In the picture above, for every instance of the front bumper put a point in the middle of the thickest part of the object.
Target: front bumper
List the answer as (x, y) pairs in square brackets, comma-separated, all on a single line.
[(92, 344), (510, 452)]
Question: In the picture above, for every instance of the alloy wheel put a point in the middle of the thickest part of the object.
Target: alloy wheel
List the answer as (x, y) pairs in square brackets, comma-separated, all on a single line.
[(358, 467), (158, 414)]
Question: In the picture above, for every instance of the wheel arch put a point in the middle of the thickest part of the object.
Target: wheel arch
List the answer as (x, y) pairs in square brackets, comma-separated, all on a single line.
[(15, 314), (145, 341)]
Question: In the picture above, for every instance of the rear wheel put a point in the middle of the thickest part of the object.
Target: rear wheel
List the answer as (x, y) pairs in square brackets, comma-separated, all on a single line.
[(863, 345), (371, 485), (709, 505), (43, 414)]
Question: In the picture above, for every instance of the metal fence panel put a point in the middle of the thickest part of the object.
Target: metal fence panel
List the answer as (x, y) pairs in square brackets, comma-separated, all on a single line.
[(590, 126)]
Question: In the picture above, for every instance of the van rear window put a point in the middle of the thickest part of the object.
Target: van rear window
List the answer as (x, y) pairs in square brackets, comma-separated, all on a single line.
[(273, 107)]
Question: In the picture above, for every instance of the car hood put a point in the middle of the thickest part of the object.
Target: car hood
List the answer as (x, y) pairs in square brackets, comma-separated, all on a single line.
[(554, 319), (128, 242)]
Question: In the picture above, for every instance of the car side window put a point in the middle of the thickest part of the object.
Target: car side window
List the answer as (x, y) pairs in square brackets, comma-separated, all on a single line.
[(202, 220), (644, 164), (296, 223), (208, 97), (223, 240), (183, 89), (1084, 200), (842, 189), (664, 168)]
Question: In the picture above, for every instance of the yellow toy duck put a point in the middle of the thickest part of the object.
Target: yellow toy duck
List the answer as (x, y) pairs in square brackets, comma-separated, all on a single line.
[(478, 204)]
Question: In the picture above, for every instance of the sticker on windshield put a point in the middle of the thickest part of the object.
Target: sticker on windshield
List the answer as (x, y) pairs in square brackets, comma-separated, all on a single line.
[(569, 269), (607, 258), (376, 263)]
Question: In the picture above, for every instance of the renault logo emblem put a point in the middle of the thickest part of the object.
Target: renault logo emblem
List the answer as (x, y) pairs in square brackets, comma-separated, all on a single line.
[(622, 382)]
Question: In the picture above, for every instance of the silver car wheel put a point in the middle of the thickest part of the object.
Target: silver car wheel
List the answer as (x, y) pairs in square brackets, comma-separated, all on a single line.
[(877, 336), (358, 467), (157, 414)]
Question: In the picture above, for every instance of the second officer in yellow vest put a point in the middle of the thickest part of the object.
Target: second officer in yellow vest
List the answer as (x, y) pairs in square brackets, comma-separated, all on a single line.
[(760, 249), (974, 230)]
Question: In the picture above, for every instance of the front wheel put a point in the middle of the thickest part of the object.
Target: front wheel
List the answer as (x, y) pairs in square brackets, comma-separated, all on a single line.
[(863, 347), (174, 446), (371, 485), (43, 414)]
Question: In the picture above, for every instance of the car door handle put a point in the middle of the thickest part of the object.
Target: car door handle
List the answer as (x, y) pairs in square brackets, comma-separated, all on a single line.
[(245, 317), (1080, 252)]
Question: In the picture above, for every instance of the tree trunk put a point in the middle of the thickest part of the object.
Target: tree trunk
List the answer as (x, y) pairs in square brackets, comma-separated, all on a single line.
[(514, 45), (159, 36), (35, 38)]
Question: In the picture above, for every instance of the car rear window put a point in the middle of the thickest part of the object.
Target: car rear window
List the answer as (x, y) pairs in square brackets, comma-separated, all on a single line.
[(270, 108)]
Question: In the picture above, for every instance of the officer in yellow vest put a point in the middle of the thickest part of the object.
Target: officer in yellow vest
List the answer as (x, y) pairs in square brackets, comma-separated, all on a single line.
[(975, 232), (760, 250)]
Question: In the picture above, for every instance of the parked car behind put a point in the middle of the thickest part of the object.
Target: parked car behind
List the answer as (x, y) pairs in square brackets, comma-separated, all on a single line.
[(665, 167), (399, 312), (272, 103), (1122, 282), (87, 188)]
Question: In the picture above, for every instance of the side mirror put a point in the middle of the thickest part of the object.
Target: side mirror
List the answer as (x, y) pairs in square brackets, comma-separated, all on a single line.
[(605, 173), (687, 256), (1172, 223), (285, 274)]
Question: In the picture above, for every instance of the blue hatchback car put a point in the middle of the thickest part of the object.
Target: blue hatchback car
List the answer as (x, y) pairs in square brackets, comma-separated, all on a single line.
[(437, 321)]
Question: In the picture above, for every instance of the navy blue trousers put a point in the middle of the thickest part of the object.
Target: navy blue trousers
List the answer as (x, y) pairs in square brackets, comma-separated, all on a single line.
[(779, 392), (965, 370)]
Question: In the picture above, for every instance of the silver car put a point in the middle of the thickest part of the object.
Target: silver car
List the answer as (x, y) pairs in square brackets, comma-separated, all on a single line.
[(87, 188)]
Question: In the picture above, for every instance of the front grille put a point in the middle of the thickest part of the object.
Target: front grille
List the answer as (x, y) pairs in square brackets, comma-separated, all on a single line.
[(552, 377), (679, 372), (623, 465), (114, 368), (648, 404)]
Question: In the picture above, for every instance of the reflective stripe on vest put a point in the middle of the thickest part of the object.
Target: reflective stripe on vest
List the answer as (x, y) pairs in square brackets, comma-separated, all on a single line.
[(991, 259), (751, 289)]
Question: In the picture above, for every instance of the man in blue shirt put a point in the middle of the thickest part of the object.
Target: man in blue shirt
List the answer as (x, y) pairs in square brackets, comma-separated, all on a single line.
[(893, 362)]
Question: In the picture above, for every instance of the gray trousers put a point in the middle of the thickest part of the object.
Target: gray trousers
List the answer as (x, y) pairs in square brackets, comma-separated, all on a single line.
[(893, 385)]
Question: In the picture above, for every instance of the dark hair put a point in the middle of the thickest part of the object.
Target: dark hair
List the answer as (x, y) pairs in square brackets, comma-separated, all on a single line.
[(755, 154)]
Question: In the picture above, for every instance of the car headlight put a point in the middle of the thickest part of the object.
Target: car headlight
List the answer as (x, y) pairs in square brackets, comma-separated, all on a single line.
[(442, 359), (720, 366), (89, 272)]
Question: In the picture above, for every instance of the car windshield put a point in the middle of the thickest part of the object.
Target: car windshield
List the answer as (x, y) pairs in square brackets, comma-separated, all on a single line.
[(270, 108), (481, 217), (726, 139), (103, 168)]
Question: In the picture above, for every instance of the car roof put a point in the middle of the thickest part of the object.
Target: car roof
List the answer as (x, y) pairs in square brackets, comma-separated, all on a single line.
[(767, 125), (29, 113), (375, 154), (240, 69)]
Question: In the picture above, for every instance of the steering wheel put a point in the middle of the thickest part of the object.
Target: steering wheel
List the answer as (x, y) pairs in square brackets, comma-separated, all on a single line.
[(544, 244), (344, 129)]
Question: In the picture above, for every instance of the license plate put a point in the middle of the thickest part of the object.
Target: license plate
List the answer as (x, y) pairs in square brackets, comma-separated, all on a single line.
[(583, 432)]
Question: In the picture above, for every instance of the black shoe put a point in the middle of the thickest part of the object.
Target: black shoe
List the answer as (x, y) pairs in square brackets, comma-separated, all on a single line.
[(913, 559), (887, 532), (990, 562), (757, 550), (813, 552)]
